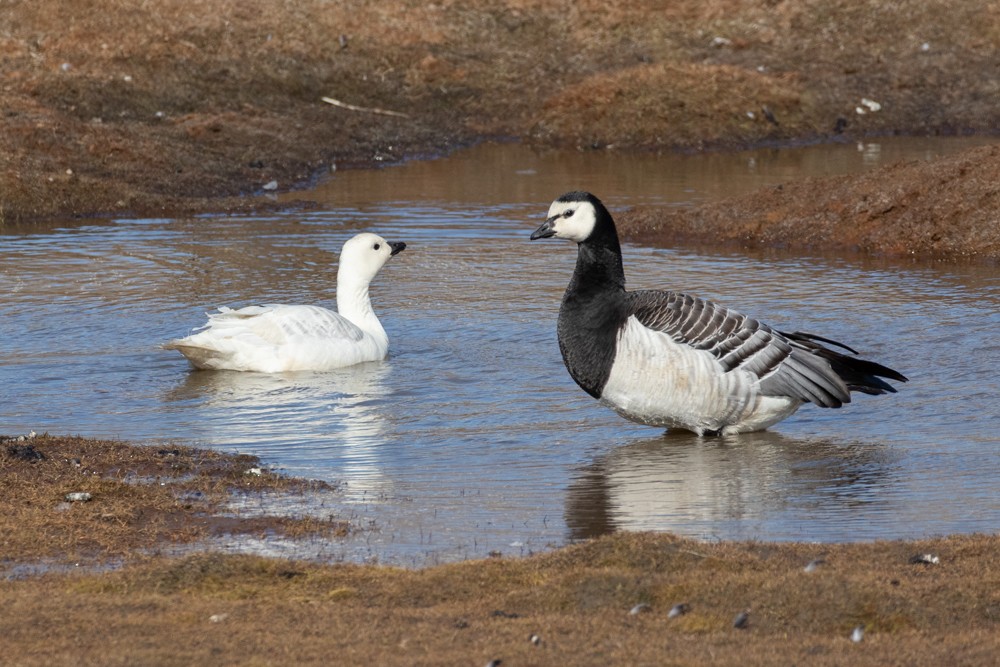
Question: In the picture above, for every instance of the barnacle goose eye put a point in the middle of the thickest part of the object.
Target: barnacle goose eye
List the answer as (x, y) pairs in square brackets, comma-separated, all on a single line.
[(568, 212), (376, 246)]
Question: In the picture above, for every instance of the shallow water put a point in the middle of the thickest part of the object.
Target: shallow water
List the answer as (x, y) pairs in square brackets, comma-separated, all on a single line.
[(472, 438)]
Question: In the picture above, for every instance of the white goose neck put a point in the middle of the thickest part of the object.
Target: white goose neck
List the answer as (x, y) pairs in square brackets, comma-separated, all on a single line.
[(354, 303)]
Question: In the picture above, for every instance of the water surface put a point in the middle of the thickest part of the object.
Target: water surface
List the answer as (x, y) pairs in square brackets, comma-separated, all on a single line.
[(471, 437)]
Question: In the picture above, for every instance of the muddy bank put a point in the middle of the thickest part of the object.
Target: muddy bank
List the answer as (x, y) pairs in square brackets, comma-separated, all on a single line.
[(188, 106), (949, 207), (73, 500)]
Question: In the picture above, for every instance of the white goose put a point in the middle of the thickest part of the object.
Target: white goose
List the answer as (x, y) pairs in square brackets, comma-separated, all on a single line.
[(277, 338), (667, 359)]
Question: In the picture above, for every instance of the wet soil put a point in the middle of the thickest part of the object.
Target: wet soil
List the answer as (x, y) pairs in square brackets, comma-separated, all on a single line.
[(187, 106)]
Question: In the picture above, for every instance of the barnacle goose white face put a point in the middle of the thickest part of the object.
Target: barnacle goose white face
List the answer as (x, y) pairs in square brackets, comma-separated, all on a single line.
[(571, 220), (365, 254)]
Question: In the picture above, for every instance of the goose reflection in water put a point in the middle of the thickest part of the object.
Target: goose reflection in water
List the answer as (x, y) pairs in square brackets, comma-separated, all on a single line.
[(724, 488), (333, 417)]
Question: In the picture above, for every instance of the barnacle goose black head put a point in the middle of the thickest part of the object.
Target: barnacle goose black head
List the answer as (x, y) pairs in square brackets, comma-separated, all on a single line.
[(576, 216)]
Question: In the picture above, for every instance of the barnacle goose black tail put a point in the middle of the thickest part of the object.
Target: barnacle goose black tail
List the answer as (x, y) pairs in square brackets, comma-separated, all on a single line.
[(858, 374)]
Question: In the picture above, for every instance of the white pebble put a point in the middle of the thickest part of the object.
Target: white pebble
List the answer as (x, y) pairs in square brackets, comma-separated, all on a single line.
[(679, 610), (639, 608), (871, 105), (272, 185), (78, 497), (814, 565), (858, 634)]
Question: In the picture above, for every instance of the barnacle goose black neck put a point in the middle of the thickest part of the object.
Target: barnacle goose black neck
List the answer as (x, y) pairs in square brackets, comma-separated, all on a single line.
[(667, 359)]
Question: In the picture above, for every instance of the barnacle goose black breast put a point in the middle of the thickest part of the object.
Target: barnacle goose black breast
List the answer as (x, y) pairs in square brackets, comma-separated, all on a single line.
[(668, 359)]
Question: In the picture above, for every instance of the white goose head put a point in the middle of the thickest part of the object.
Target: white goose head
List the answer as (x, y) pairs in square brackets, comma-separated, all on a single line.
[(363, 256)]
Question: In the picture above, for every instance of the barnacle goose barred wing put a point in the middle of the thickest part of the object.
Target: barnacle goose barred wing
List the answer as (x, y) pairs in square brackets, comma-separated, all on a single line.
[(783, 366)]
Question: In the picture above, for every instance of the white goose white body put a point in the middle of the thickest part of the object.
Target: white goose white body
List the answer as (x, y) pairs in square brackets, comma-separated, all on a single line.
[(667, 359), (277, 338)]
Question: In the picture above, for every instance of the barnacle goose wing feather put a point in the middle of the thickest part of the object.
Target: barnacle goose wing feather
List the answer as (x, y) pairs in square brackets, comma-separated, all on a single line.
[(794, 364)]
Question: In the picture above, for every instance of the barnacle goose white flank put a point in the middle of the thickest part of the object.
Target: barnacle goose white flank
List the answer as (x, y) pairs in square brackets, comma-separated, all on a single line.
[(667, 359), (277, 338)]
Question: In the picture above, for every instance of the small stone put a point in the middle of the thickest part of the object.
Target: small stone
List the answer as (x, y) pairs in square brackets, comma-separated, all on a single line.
[(535, 639), (858, 634), (679, 610), (494, 663), (78, 497), (742, 620), (255, 471), (218, 618), (271, 185), (640, 608), (871, 105)]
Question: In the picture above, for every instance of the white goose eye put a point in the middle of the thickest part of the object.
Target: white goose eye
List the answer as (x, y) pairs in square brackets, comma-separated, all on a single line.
[(376, 246)]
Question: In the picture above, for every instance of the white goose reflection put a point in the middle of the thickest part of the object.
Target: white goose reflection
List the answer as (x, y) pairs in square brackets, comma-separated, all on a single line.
[(732, 487), (313, 422)]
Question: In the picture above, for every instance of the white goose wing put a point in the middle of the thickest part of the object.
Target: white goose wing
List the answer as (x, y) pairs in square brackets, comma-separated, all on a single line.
[(279, 324), (277, 338), (782, 367)]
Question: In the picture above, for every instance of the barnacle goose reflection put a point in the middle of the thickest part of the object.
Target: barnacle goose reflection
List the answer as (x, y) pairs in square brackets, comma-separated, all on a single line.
[(672, 360)]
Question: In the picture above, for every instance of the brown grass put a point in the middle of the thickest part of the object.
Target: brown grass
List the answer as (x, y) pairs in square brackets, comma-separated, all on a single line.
[(181, 105), (246, 610)]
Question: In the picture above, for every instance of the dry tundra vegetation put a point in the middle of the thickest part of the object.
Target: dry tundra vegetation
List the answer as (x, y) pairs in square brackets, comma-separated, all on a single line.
[(175, 107)]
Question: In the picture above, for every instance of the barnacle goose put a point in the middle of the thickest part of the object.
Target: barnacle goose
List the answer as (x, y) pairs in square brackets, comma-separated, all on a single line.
[(667, 359), (277, 338)]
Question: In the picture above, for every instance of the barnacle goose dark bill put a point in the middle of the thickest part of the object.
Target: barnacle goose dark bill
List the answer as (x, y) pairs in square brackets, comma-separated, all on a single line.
[(667, 359)]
